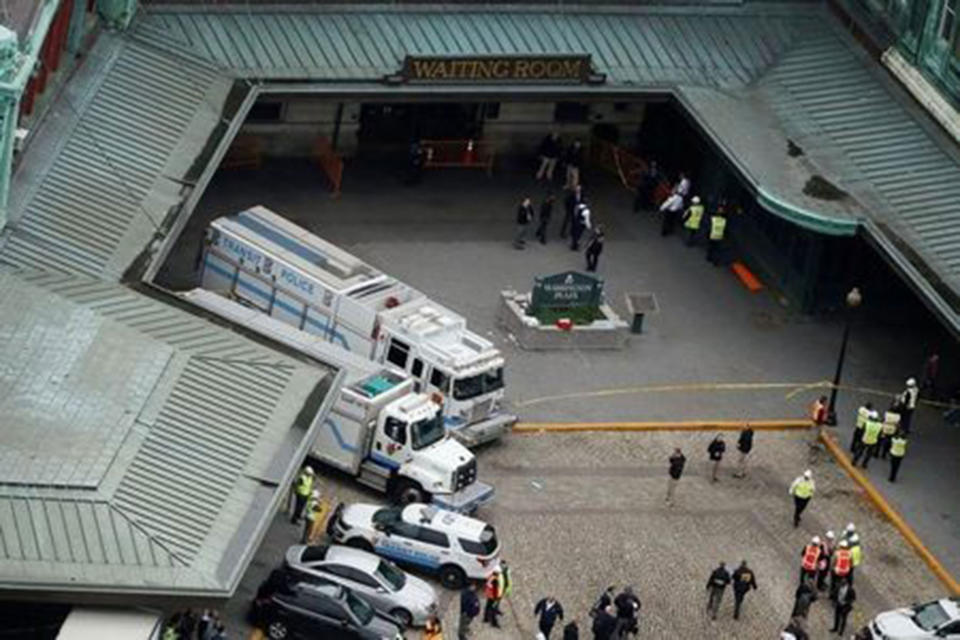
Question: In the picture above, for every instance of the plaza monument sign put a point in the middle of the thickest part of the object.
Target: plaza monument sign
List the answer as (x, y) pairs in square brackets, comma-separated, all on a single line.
[(567, 290)]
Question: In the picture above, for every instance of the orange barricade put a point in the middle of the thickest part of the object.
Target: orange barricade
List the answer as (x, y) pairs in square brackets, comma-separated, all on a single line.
[(627, 166), (470, 154), (329, 162), (245, 152)]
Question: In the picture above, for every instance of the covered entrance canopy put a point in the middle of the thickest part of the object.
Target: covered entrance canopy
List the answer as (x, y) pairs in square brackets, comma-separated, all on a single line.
[(754, 76)]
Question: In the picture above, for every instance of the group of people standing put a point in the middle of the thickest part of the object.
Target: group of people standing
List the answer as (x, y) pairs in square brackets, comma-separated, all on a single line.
[(824, 559), (886, 437)]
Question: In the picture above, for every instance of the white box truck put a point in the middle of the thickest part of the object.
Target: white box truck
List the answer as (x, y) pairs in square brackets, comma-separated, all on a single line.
[(378, 428), (270, 263)]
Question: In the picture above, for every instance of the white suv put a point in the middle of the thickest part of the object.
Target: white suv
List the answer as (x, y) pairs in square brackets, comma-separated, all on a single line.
[(937, 619), (454, 546)]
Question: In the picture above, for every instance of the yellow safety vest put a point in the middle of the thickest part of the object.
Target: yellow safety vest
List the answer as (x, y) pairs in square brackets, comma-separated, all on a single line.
[(890, 423), (898, 447), (507, 582), (304, 484), (718, 225), (871, 432), (312, 507), (804, 489), (863, 414), (856, 555), (693, 220)]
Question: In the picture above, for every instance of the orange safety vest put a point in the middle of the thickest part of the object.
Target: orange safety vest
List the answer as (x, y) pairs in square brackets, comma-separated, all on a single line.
[(433, 631), (811, 553), (493, 589), (842, 562)]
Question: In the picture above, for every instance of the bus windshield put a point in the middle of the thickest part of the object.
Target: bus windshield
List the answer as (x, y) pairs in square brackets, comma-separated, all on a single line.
[(425, 432), (466, 388)]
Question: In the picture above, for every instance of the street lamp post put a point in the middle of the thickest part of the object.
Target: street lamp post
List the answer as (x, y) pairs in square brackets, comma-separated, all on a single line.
[(853, 301)]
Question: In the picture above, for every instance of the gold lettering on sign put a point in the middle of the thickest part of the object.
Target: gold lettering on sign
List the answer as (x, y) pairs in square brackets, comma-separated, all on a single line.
[(521, 69), (501, 69), (534, 68)]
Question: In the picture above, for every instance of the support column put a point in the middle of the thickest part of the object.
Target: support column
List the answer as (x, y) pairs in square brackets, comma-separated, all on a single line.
[(9, 110), (78, 26), (116, 14)]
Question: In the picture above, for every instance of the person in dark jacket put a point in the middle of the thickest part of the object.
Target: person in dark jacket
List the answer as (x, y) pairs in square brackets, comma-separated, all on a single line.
[(574, 199), (546, 210), (743, 581), (524, 218), (649, 180), (796, 630), (573, 159), (628, 612), (595, 248), (571, 631), (549, 152), (715, 450), (716, 585), (803, 598), (604, 601), (469, 609), (744, 446), (549, 611), (677, 461), (846, 596), (604, 624)]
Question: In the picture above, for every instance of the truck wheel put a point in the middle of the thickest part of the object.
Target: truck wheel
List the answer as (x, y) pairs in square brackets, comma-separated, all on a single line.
[(408, 491), (403, 616), (452, 576), (277, 630), (360, 543)]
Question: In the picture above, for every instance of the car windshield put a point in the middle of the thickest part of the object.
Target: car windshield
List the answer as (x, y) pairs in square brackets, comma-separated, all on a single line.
[(930, 616), (486, 546), (391, 575), (360, 609), (466, 388), (425, 432), (386, 517)]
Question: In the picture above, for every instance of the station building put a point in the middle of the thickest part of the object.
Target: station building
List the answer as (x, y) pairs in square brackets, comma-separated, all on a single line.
[(117, 114)]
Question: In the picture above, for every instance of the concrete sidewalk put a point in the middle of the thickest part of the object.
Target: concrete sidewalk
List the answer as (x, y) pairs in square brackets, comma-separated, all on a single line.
[(451, 237)]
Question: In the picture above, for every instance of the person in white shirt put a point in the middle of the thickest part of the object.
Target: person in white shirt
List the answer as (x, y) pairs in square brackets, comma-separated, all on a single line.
[(670, 210)]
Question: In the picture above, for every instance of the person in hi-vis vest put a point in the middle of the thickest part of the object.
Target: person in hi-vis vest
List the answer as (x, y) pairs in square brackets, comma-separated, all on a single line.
[(718, 228)]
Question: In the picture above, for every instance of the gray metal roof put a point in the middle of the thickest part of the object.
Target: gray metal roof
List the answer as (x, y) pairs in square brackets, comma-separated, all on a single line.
[(138, 439)]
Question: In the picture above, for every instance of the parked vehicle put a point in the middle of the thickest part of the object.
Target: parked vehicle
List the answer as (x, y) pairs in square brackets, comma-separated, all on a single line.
[(454, 546), (377, 580), (937, 619), (286, 272), (378, 428), (311, 609)]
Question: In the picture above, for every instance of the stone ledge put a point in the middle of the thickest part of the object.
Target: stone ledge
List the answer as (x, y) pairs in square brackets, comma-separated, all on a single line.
[(612, 333)]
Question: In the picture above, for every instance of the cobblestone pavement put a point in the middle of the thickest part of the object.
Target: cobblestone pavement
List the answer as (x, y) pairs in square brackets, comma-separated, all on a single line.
[(577, 512)]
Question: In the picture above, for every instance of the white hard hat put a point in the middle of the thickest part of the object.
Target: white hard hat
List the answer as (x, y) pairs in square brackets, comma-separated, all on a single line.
[(816, 540), (808, 474), (308, 470), (696, 199), (854, 538), (831, 535), (844, 544), (850, 527), (316, 493), (875, 414), (911, 382)]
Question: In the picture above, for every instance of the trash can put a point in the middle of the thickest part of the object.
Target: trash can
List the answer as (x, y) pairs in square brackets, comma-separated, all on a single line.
[(638, 305)]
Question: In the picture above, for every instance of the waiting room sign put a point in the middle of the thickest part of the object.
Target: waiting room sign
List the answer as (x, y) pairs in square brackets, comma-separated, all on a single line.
[(547, 68)]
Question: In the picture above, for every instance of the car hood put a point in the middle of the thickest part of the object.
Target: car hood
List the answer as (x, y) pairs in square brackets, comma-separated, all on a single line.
[(898, 625), (418, 592), (359, 515)]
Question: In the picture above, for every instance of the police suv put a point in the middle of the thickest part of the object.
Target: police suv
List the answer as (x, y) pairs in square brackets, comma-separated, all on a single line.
[(454, 546)]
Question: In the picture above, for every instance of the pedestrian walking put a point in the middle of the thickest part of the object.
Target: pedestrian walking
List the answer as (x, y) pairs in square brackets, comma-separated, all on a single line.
[(863, 414), (433, 630), (744, 446), (810, 560), (628, 613), (803, 598), (573, 159), (677, 461), (546, 211), (802, 490), (595, 248), (715, 451), (605, 624), (691, 220), (818, 412), (310, 516), (669, 211), (828, 546), (890, 426), (493, 591), (744, 580), (571, 631), (856, 555), (416, 160), (302, 490), (718, 229), (841, 568), (581, 223), (188, 624), (682, 188), (220, 632), (716, 584), (898, 449), (469, 609), (572, 203), (908, 404), (524, 218), (549, 153), (869, 440), (206, 622), (842, 605), (548, 612)]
